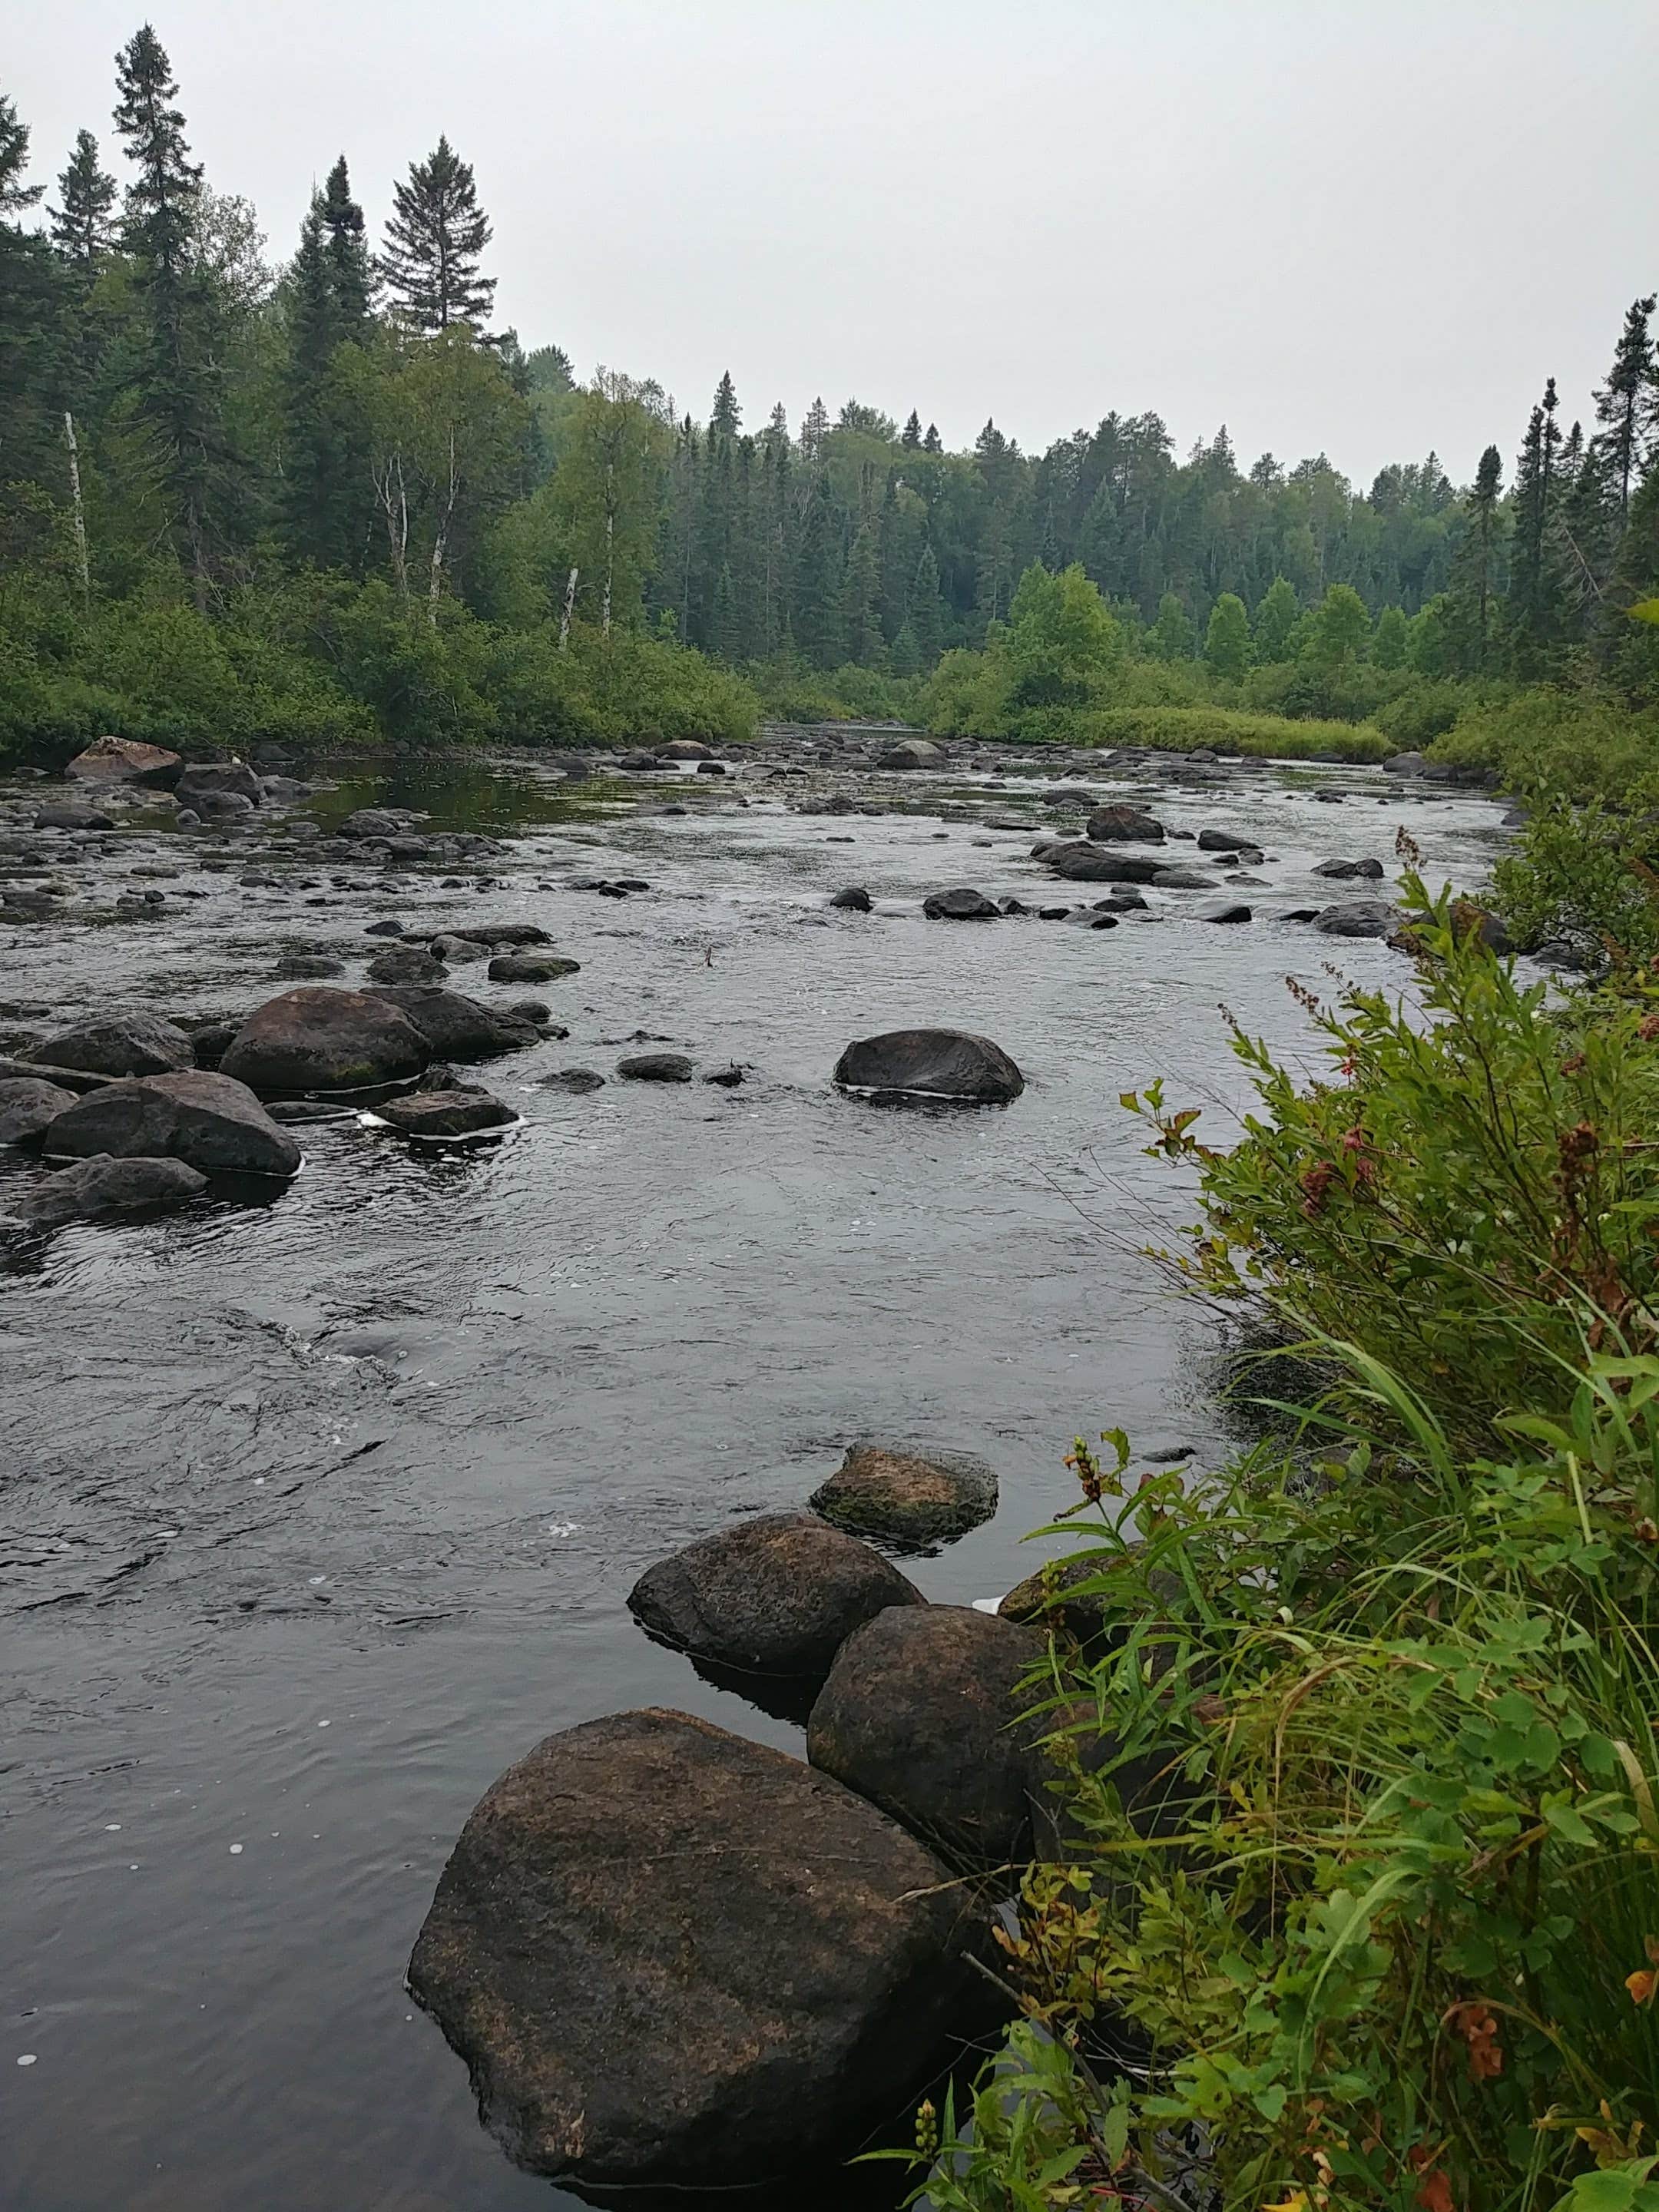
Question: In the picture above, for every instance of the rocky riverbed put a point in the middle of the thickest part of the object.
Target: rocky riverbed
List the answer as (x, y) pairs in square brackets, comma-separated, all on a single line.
[(322, 1493)]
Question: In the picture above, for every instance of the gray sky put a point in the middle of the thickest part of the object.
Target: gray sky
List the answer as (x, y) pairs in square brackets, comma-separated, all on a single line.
[(1329, 223)]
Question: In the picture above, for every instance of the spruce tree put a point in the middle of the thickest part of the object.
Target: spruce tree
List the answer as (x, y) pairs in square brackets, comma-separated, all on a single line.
[(1473, 591), (14, 194), (434, 243), (325, 468), (723, 627), (911, 441), (933, 443), (817, 623), (29, 322), (814, 429), (860, 601), (725, 416), (350, 272), (84, 224), (1227, 640), (1536, 608), (926, 616), (1627, 405)]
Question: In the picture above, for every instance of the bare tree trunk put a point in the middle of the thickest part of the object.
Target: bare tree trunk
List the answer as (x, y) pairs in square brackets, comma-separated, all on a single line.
[(609, 553), (393, 502), (440, 543), (569, 609), (82, 560)]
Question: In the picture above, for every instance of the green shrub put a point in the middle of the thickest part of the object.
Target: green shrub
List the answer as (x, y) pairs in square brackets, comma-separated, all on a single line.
[(1582, 878), (1579, 744), (1224, 730)]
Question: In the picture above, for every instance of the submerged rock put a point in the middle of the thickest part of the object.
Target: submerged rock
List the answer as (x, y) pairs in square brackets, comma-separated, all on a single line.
[(105, 1186), (920, 1714), (906, 1498), (656, 1067), (854, 900), (213, 1124), (27, 1109), (777, 1596), (446, 1113), (669, 1955), (134, 1044), (945, 1064), (456, 1027), (577, 1080), (316, 1039)]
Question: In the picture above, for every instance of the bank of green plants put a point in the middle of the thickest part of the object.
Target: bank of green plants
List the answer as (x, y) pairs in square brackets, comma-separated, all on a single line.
[(1397, 1950)]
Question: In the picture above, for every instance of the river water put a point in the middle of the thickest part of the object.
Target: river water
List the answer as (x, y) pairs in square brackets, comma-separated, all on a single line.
[(315, 1514)]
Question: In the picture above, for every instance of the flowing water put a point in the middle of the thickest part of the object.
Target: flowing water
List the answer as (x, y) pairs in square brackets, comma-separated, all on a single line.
[(315, 1515)]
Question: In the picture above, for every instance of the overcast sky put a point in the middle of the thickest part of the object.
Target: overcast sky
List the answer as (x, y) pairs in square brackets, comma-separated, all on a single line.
[(1331, 225)]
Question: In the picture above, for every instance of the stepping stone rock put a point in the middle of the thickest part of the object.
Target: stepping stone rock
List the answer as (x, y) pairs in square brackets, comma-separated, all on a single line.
[(1340, 869), (406, 963), (1124, 825), (854, 900), (1360, 918), (906, 1498)]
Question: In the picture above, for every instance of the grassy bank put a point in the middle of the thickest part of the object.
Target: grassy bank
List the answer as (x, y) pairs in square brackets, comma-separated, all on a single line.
[(1229, 731)]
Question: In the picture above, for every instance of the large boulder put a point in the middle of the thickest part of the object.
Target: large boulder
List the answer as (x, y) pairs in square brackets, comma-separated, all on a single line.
[(854, 900), (657, 1067), (960, 905), (777, 1596), (1226, 841), (27, 1109), (317, 1039), (1080, 860), (685, 749), (371, 825), (1357, 918), (127, 1043), (457, 1027), (1405, 764), (492, 934), (531, 968), (106, 1187), (911, 752), (406, 963), (206, 780), (1342, 871), (1124, 825), (213, 1124), (910, 1498), (670, 1956), (72, 814), (921, 1714), (950, 1064), (123, 760)]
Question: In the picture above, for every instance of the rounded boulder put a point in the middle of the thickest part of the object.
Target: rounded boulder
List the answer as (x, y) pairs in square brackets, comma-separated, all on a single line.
[(943, 1063), (906, 1498), (211, 1123), (316, 1039)]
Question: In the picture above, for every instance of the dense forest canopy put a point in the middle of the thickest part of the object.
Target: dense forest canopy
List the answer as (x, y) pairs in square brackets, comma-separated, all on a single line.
[(322, 497)]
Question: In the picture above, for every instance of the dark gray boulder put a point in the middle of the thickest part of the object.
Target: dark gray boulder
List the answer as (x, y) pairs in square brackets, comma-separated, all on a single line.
[(1341, 869), (28, 1108), (911, 752), (406, 963), (302, 967), (461, 951), (456, 1027), (945, 1064), (213, 1124), (577, 1080), (531, 968), (908, 1499), (1405, 764), (1124, 825), (962, 904), (777, 1596), (1224, 910), (206, 780), (446, 1113), (318, 1039), (493, 933), (669, 1955), (656, 1067), (1182, 877), (1082, 862), (128, 1043), (72, 814), (685, 749), (1358, 918), (1226, 841), (371, 825), (105, 1186), (921, 1714), (854, 900)]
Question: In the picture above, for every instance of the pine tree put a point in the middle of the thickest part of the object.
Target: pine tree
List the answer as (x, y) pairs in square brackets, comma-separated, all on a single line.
[(434, 243), (911, 440), (84, 225), (1627, 405), (777, 428), (14, 194), (1536, 609), (817, 581), (814, 429), (345, 240), (723, 627), (933, 443), (29, 321), (326, 466), (926, 612), (725, 415), (1472, 590), (860, 601)]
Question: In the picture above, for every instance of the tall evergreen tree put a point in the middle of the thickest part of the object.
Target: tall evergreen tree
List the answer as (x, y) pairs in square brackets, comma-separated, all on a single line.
[(28, 320), (1472, 595), (1536, 597), (817, 581), (1276, 617), (933, 443), (925, 612), (725, 416), (814, 429), (345, 240), (325, 476), (435, 244), (1627, 405), (911, 440), (860, 601), (83, 223)]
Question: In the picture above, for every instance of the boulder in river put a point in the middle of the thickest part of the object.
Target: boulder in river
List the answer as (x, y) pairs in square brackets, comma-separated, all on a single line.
[(1357, 918), (921, 1714), (372, 825), (1405, 764), (104, 1186), (1182, 877), (577, 1080), (127, 1043), (908, 1499), (778, 1594), (304, 967), (213, 1124), (1224, 910), (928, 1064), (656, 1067), (492, 934), (962, 904), (1080, 860), (406, 963), (28, 1108), (124, 760), (456, 1027), (854, 900), (72, 814), (669, 1955), (204, 780), (685, 749), (1342, 870), (531, 968), (1226, 841), (1124, 825), (317, 1039), (444, 1113), (911, 752)]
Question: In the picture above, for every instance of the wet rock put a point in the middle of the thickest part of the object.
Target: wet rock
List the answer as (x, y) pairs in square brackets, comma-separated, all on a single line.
[(1181, 877), (1357, 918), (670, 1955), (213, 1124), (712, 768), (946, 1064), (212, 1039), (1058, 1596), (531, 968), (962, 904), (854, 900), (726, 1079), (1342, 870), (459, 949), (372, 824), (316, 1039), (388, 928), (1224, 910), (1124, 825), (1226, 841), (297, 966), (72, 814), (1053, 912), (27, 1108), (1092, 917), (911, 752), (777, 1596), (123, 760), (1405, 764), (222, 805), (1081, 861), (406, 963), (128, 1043), (907, 1497), (204, 782), (656, 1067), (456, 1027), (107, 1186), (446, 1113), (685, 749), (638, 764), (920, 1714), (577, 1080), (492, 934)]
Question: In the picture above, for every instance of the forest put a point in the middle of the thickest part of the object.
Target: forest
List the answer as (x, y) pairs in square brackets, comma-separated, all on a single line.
[(330, 499)]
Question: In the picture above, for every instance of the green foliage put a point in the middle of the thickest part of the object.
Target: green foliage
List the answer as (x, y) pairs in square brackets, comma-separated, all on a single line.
[(1060, 643), (1578, 744), (1584, 878), (1228, 647)]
